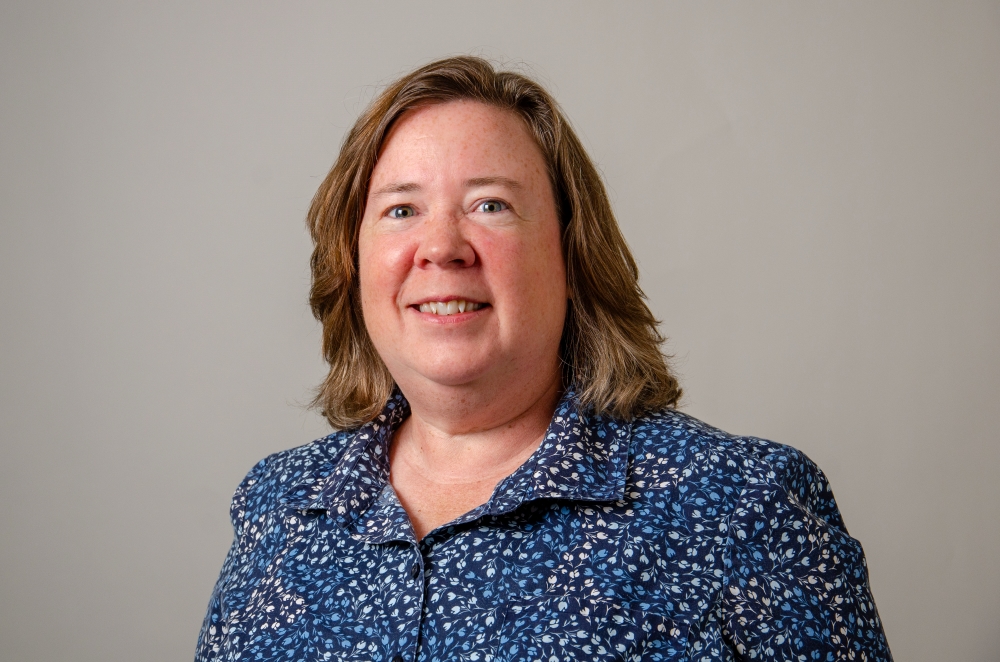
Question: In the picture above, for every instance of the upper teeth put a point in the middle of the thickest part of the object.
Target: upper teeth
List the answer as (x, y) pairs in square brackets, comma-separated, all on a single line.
[(449, 307)]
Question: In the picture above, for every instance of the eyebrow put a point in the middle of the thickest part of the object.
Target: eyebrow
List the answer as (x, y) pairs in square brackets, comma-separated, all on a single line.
[(489, 181), (399, 187), (409, 187)]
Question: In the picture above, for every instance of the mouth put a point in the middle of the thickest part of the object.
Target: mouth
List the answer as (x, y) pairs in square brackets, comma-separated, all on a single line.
[(452, 307)]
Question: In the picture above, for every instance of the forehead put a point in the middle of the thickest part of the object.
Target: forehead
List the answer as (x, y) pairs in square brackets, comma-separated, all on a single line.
[(458, 135)]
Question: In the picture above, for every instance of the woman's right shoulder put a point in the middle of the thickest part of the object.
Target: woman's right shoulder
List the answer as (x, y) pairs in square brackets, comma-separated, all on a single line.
[(263, 487)]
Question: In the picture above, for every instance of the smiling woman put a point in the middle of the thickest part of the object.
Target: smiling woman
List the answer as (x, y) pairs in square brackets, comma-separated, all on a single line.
[(609, 343), (510, 480)]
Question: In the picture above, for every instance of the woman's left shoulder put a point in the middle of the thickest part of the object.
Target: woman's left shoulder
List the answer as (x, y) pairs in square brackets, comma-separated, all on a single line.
[(702, 454)]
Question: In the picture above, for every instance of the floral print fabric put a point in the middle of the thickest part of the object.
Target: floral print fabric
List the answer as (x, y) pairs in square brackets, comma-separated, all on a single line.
[(660, 538)]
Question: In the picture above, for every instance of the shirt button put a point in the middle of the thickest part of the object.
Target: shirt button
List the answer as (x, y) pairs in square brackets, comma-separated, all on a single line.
[(397, 658), (414, 572)]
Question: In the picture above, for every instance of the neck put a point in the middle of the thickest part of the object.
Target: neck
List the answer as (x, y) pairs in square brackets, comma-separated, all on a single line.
[(471, 436), (450, 454)]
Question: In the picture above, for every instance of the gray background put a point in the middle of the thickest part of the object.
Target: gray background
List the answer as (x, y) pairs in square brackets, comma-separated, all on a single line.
[(812, 191)]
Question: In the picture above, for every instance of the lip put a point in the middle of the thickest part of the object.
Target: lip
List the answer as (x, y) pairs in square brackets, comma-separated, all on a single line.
[(446, 299), (455, 318)]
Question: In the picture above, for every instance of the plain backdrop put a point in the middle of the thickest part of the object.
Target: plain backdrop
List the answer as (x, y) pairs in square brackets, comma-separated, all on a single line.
[(812, 191)]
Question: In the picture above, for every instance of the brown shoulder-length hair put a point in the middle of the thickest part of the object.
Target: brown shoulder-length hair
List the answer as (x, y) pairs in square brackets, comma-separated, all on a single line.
[(610, 348)]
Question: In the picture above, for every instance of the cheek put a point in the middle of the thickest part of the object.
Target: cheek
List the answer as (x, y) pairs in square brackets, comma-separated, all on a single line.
[(380, 258), (547, 265), (367, 271), (381, 271), (535, 274)]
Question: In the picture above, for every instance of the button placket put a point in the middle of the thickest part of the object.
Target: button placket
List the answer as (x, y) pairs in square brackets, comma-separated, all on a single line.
[(417, 587)]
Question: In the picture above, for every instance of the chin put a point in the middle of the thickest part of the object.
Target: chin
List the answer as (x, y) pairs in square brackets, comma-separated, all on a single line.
[(447, 371), (452, 377)]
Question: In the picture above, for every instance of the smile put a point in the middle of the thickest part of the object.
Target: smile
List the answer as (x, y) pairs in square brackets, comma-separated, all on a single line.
[(450, 307)]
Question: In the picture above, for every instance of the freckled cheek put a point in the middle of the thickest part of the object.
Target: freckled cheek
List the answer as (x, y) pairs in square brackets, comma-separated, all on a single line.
[(531, 271), (383, 266)]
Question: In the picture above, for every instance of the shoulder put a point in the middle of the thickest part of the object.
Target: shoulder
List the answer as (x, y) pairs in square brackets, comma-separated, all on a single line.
[(686, 440), (700, 454), (273, 477)]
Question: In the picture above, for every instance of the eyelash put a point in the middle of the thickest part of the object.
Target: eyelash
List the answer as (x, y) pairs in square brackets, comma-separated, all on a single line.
[(503, 206), (392, 211)]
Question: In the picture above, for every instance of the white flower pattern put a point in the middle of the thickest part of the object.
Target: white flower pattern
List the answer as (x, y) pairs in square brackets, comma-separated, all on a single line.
[(655, 539)]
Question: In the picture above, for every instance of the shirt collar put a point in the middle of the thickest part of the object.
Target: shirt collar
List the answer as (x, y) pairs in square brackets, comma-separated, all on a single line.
[(583, 457)]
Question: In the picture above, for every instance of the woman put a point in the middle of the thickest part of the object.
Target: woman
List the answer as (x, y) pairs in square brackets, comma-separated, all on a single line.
[(510, 480)]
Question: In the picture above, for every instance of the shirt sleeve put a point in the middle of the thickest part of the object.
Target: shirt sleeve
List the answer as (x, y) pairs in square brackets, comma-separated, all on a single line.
[(796, 584), (213, 628)]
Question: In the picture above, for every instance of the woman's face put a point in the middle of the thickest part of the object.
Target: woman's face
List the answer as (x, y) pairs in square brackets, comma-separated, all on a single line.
[(461, 269)]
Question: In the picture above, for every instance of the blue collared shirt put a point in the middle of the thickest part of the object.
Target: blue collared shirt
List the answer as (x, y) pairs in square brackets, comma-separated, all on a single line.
[(659, 538)]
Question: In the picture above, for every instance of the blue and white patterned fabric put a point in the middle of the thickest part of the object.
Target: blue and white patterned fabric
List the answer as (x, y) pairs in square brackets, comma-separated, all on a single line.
[(660, 538)]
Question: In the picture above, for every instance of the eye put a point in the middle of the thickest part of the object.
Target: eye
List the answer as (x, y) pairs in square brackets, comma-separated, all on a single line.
[(491, 206), (402, 211)]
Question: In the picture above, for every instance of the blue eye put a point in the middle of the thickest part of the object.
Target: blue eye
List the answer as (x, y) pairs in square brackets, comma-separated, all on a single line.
[(402, 211), (492, 206)]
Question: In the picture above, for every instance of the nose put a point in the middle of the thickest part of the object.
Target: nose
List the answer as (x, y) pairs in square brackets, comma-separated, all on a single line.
[(442, 244)]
